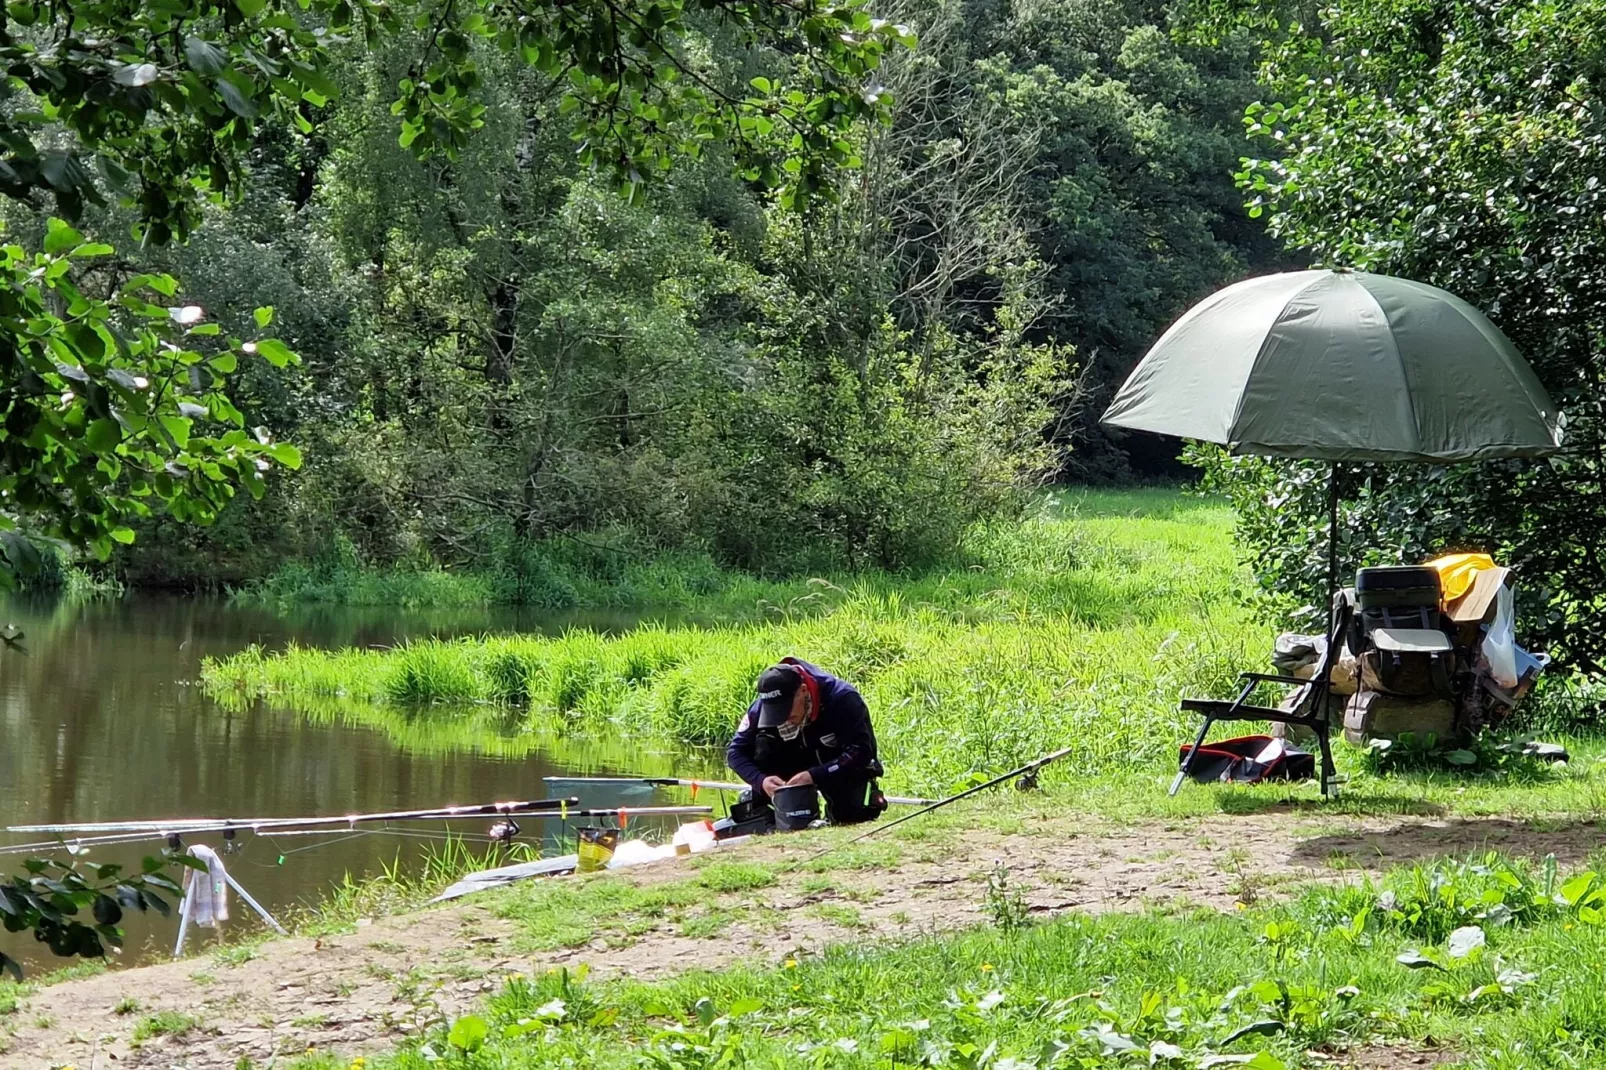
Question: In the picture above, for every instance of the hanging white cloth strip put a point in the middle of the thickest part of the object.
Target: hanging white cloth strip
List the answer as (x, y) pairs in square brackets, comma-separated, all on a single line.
[(207, 892)]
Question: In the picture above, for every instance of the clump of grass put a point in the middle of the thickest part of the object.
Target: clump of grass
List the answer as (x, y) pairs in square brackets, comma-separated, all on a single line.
[(398, 888), (126, 1006), (728, 876), (164, 1023), (838, 914), (236, 955), (1005, 903)]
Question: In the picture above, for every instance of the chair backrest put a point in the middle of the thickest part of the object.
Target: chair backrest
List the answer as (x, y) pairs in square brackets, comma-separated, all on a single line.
[(1343, 609), (1321, 680)]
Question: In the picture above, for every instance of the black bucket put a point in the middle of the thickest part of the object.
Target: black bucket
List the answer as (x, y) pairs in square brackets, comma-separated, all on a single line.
[(796, 808)]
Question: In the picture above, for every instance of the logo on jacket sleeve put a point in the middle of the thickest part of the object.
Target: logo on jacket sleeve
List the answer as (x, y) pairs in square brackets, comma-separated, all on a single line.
[(828, 740), (747, 722)]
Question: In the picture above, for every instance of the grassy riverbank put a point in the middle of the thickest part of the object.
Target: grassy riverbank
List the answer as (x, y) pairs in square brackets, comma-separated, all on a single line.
[(609, 571), (1491, 964), (1081, 625)]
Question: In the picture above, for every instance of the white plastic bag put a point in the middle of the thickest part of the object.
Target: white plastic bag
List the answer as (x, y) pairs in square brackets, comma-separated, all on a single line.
[(1500, 645)]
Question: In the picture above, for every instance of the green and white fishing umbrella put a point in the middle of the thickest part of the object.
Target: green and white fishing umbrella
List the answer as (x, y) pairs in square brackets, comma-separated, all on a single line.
[(1340, 366)]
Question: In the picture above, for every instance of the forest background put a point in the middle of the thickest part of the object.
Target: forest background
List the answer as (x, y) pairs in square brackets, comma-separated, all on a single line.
[(504, 362)]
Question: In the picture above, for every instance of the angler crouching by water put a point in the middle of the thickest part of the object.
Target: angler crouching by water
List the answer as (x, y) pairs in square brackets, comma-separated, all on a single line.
[(808, 731)]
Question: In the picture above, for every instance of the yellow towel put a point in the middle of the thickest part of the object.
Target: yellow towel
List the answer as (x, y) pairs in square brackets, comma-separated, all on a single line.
[(1457, 571)]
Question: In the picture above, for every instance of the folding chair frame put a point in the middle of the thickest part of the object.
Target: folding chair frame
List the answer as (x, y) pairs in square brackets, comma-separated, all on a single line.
[(1313, 701)]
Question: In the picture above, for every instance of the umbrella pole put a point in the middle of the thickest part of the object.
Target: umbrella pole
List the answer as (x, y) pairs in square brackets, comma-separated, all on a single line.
[(1332, 543)]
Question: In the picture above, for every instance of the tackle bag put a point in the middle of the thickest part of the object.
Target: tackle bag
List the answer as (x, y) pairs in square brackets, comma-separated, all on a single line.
[(1249, 760)]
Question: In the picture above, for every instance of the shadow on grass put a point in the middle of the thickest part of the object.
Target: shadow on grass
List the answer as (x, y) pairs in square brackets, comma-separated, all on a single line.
[(1346, 805), (1571, 841)]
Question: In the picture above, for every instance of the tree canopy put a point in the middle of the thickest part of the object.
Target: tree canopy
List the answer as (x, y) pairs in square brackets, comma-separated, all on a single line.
[(110, 401), (834, 320), (163, 98)]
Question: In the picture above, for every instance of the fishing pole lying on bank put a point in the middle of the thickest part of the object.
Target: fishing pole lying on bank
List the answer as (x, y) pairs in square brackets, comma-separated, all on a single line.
[(220, 824), (696, 785), (1027, 771)]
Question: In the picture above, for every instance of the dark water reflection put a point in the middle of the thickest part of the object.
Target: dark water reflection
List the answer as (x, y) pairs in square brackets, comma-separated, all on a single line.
[(101, 720)]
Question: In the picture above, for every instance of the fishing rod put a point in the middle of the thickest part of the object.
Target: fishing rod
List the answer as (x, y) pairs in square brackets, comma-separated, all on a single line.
[(192, 825), (80, 843), (625, 812), (142, 832), (1029, 770), (694, 785)]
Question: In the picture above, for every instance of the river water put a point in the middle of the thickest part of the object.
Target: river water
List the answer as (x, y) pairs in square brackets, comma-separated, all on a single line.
[(101, 719)]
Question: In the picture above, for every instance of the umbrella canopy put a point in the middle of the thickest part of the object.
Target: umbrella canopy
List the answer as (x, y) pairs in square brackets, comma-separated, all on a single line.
[(1340, 366)]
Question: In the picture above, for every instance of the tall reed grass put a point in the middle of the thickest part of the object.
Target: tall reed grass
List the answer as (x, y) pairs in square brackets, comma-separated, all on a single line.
[(1080, 626)]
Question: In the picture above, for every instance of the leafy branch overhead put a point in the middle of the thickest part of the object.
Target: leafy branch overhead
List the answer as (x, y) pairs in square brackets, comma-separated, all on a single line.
[(164, 97), (114, 405)]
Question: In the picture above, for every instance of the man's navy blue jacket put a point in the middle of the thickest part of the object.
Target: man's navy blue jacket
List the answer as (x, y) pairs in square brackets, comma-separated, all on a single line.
[(838, 745)]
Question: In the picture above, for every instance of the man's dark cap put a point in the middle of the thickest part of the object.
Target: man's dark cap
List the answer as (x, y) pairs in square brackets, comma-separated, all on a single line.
[(776, 686)]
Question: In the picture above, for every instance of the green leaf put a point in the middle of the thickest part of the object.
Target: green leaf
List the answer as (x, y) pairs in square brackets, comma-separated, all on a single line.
[(166, 285), (1265, 1060), (468, 1033), (203, 56), (250, 8), (285, 454), (60, 237), (1264, 1028), (1574, 890), (263, 315), (1461, 757), (179, 428), (224, 363), (236, 100), (274, 352), (124, 536), (93, 249), (103, 435), (1415, 960)]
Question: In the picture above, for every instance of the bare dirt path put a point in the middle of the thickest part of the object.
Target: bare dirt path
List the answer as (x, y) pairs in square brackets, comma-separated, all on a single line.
[(364, 990)]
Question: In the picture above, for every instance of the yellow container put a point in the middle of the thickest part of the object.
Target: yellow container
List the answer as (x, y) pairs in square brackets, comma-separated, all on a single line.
[(595, 848)]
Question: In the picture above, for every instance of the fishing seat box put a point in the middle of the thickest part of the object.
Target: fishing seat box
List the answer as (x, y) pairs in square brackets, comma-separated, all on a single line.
[(1397, 632)]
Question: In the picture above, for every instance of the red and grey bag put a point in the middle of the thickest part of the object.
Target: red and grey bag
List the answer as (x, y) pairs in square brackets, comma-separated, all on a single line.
[(1249, 760)]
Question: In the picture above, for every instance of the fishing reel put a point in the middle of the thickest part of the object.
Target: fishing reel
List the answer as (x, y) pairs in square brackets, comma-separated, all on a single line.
[(503, 831)]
